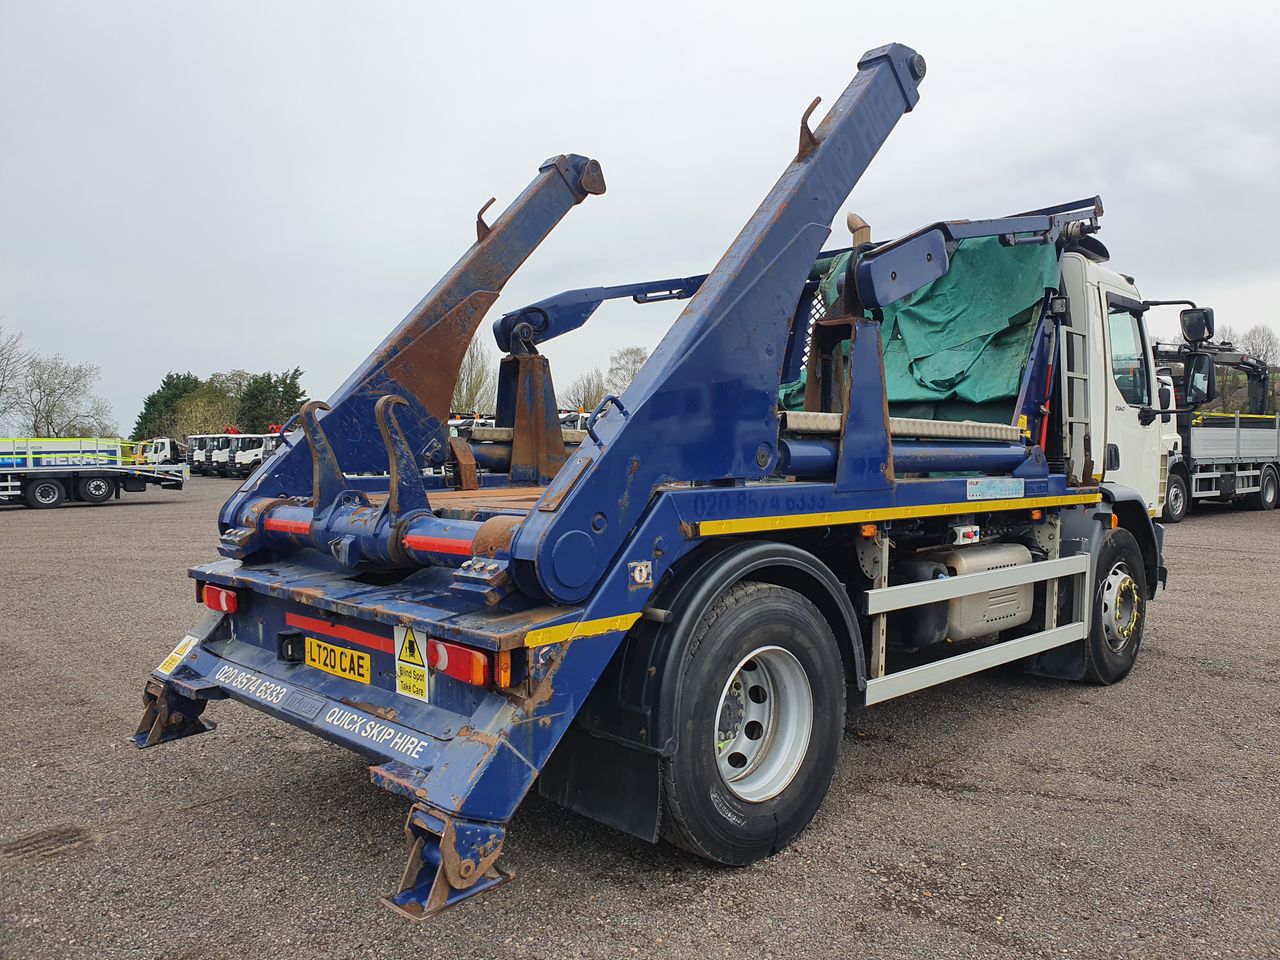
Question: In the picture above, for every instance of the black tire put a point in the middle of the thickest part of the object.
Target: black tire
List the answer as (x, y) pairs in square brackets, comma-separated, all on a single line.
[(1265, 498), (704, 812), (44, 494), (1119, 609), (1176, 498), (94, 489)]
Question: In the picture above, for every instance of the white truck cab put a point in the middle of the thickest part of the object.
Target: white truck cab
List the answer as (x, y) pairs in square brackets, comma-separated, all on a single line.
[(252, 449), (1118, 418), (220, 451)]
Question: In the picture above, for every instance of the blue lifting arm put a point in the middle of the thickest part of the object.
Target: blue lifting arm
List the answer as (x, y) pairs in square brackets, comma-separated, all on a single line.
[(567, 311), (417, 363), (704, 407)]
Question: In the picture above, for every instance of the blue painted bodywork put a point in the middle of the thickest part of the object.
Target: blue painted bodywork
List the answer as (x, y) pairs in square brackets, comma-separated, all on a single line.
[(353, 528)]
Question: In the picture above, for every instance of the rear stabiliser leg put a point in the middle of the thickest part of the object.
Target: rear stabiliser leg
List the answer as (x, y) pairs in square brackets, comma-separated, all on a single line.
[(449, 861), (168, 715)]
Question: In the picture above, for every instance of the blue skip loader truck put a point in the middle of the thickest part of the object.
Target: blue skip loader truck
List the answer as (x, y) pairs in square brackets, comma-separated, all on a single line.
[(662, 620)]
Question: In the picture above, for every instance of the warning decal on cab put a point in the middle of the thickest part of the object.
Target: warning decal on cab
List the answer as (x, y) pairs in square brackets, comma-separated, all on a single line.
[(411, 665), (177, 656)]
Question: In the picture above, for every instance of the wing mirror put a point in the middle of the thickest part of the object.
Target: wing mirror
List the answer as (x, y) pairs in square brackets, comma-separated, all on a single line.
[(1197, 324), (1166, 402), (1198, 368)]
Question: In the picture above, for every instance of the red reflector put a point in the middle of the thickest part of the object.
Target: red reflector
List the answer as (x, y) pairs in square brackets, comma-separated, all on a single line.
[(461, 663), (219, 599)]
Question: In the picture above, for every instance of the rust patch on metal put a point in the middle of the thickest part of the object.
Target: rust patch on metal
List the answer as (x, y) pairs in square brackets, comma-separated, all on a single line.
[(479, 736), (427, 366), (551, 504), (382, 713), (493, 539), (405, 784), (468, 473), (633, 467), (537, 440)]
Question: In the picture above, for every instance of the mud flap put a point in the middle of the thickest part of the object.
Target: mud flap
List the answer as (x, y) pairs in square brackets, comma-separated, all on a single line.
[(449, 861), (167, 715)]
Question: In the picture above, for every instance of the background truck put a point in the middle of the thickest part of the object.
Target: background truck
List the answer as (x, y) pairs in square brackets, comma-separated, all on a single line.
[(46, 472), (1221, 457), (160, 450), (250, 449), (219, 453), (664, 626), (197, 451)]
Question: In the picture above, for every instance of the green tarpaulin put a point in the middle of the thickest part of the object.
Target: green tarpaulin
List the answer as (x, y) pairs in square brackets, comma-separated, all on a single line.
[(955, 348)]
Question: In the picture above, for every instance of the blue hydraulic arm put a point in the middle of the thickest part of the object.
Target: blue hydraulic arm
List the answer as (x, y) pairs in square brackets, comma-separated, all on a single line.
[(568, 311), (299, 496), (704, 407)]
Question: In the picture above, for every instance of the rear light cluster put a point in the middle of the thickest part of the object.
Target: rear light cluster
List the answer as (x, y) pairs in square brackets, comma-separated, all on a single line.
[(475, 667), (219, 599), (470, 666)]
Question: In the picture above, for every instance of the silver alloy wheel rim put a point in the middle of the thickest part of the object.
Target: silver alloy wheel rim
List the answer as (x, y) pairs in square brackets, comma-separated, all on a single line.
[(1121, 607), (46, 493), (96, 487), (1175, 499), (763, 724), (1269, 487)]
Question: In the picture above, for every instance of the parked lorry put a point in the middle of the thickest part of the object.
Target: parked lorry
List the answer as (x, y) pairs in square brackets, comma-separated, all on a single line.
[(160, 450), (1221, 457), (250, 449), (664, 626), (46, 472), (197, 450), (219, 453)]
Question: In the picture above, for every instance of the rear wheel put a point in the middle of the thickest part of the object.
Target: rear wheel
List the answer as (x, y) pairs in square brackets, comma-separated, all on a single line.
[(44, 494), (1119, 609), (94, 489), (1175, 499), (760, 717), (1265, 498)]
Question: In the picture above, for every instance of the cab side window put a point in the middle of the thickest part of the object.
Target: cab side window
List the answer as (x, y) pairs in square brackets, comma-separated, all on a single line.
[(1128, 358)]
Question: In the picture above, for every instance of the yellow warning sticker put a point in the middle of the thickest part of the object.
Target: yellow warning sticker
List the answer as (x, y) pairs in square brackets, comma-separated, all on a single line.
[(408, 650), (178, 655), (411, 665)]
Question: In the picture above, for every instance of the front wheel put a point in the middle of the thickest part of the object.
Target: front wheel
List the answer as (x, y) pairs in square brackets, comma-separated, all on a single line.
[(1265, 498), (1119, 609), (1175, 499), (760, 718)]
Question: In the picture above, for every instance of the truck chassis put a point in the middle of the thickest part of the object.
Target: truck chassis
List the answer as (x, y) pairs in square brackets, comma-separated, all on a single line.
[(661, 622)]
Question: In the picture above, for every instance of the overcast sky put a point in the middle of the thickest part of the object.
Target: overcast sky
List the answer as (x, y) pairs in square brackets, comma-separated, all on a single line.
[(207, 186)]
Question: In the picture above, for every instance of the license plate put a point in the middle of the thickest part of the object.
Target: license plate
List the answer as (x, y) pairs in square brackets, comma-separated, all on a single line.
[(339, 661)]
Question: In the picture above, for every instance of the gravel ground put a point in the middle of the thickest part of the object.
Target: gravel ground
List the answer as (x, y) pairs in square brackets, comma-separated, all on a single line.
[(995, 817)]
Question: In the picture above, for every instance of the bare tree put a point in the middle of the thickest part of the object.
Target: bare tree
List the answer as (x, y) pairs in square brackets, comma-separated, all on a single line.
[(1262, 342), (585, 393), (55, 399), (624, 364), (477, 388), (13, 361)]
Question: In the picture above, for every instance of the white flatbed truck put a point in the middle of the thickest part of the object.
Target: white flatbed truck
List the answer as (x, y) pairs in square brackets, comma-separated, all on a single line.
[(46, 472)]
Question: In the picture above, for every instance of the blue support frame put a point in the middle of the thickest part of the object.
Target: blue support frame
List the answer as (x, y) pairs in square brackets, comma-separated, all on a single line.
[(688, 453)]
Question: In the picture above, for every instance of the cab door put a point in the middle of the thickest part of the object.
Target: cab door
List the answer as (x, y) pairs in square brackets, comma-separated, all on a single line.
[(1133, 439)]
